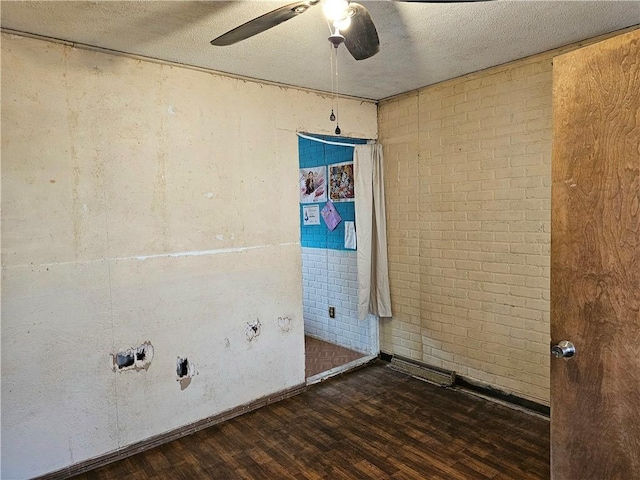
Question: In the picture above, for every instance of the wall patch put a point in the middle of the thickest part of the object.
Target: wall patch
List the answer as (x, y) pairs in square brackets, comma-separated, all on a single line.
[(253, 330), (285, 324)]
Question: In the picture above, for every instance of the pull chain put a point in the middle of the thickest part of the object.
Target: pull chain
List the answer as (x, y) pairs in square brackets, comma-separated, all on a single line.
[(332, 117), (338, 131)]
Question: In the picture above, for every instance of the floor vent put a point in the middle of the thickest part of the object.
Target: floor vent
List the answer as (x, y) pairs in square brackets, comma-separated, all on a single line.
[(441, 378)]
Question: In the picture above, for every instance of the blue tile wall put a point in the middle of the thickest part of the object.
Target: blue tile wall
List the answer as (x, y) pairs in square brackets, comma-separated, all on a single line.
[(316, 154)]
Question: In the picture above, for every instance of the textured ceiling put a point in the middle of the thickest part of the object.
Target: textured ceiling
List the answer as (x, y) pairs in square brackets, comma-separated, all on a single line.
[(421, 44)]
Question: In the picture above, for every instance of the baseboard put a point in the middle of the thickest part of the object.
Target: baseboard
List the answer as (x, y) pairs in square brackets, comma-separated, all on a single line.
[(489, 391), (385, 357), (482, 388), (347, 367), (166, 437)]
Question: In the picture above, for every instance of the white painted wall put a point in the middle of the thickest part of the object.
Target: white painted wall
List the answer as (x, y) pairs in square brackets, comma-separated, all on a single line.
[(109, 166)]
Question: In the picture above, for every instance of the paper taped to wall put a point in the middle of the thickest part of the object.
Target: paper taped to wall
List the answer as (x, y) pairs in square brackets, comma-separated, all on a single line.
[(350, 235), (331, 216)]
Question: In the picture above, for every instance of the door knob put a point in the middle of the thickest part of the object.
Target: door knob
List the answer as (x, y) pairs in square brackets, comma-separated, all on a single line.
[(564, 349)]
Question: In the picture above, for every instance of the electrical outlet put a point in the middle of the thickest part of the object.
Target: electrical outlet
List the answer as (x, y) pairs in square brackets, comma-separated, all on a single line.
[(332, 312)]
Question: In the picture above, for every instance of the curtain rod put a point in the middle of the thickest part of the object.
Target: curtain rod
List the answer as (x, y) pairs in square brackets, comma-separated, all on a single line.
[(328, 142)]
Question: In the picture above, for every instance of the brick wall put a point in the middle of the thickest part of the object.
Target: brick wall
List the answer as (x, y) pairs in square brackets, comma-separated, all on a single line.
[(468, 174), (330, 278)]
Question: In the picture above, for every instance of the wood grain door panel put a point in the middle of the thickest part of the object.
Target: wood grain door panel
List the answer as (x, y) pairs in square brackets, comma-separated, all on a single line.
[(595, 261)]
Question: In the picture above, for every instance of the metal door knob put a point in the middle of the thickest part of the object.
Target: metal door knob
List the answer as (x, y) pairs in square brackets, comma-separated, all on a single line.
[(564, 349)]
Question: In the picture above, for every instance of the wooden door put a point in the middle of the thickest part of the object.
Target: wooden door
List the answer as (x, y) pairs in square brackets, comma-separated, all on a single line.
[(595, 261)]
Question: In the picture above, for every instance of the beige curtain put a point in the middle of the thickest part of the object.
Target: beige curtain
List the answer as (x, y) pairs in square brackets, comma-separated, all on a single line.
[(371, 232)]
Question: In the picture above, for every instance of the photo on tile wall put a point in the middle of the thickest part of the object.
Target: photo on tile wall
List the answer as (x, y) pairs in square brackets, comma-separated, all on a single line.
[(341, 182), (313, 185)]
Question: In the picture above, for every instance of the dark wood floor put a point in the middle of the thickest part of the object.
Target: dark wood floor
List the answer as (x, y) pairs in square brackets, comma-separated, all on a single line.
[(373, 423)]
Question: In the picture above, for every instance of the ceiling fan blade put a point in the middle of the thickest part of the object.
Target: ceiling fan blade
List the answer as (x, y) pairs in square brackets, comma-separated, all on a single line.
[(262, 23), (361, 39), (441, 1)]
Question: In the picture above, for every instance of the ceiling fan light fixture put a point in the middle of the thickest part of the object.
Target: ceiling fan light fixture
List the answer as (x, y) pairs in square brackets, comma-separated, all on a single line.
[(335, 10), (343, 24)]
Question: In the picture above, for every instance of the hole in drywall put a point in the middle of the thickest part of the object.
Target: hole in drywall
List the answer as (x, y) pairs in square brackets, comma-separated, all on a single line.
[(253, 330), (125, 359), (185, 371), (183, 367), (135, 358)]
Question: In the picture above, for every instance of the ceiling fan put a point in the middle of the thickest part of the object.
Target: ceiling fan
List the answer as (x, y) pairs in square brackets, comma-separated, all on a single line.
[(361, 39)]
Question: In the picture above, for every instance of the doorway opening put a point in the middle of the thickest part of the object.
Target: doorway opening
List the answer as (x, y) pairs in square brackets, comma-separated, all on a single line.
[(335, 339)]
